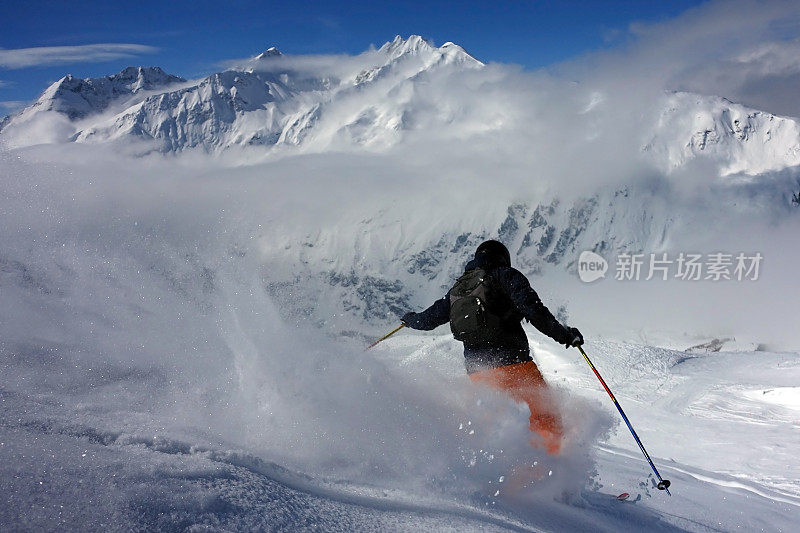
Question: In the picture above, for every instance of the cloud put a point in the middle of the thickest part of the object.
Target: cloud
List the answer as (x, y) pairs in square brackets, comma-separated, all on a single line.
[(56, 55), (310, 65), (742, 50), (330, 23), (765, 76), (12, 105)]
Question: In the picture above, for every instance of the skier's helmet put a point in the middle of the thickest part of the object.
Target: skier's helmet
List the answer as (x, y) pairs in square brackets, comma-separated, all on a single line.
[(494, 252)]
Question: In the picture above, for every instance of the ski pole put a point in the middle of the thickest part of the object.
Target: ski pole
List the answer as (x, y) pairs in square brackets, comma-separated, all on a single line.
[(663, 484), (398, 328)]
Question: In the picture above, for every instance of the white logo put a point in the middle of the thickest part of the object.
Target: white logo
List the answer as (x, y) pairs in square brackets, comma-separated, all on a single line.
[(591, 267)]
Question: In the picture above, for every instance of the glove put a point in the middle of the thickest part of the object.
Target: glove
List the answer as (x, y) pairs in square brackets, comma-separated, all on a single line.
[(408, 318), (575, 337)]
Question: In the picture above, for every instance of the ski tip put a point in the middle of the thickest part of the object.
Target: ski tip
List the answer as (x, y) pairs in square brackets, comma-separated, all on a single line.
[(624, 496)]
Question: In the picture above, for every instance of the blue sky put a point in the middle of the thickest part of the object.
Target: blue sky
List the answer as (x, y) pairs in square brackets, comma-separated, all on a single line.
[(192, 38)]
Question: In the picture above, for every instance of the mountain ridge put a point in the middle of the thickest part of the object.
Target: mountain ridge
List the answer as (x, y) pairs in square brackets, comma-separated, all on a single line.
[(272, 101), (245, 106)]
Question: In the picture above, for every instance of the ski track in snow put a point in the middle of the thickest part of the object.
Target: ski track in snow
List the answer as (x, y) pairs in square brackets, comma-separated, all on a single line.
[(54, 474)]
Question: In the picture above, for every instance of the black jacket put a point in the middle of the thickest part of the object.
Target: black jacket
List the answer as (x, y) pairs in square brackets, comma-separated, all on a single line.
[(512, 298)]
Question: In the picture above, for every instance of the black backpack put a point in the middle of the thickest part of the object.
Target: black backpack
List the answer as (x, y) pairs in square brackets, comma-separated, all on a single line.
[(471, 320)]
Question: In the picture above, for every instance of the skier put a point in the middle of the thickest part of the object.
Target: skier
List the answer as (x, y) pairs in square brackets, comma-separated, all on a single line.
[(485, 309)]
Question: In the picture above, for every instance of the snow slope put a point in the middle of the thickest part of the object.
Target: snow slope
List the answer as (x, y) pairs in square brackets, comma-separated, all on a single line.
[(746, 141), (106, 454)]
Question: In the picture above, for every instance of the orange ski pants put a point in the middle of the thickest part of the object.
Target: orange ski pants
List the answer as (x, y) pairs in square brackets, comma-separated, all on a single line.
[(524, 383)]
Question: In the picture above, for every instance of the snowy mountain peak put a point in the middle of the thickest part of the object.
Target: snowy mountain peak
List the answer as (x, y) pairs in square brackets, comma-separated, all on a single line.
[(453, 53), (78, 98), (417, 46), (269, 52), (144, 78), (399, 47), (248, 105)]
